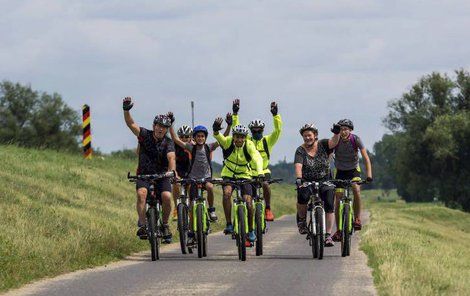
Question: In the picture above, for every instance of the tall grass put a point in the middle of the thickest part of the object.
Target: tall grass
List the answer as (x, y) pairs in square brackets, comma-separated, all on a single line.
[(417, 249), (59, 213)]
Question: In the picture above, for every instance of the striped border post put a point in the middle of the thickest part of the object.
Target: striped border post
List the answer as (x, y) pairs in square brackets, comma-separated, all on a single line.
[(87, 151)]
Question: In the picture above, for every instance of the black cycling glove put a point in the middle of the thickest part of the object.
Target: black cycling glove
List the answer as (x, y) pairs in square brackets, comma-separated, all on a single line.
[(127, 104), (336, 128)]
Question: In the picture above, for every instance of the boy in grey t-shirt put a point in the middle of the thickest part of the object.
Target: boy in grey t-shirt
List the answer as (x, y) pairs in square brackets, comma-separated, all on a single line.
[(347, 168)]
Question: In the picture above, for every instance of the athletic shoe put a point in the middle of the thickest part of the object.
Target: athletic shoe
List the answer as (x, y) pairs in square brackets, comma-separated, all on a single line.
[(302, 227), (212, 215), (228, 229), (251, 236), (357, 224), (269, 215), (166, 234), (329, 242), (142, 232), (337, 236)]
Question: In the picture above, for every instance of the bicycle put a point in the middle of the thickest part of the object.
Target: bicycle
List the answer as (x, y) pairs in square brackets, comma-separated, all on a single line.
[(259, 221), (346, 214), (316, 219), (182, 208), (239, 215), (153, 211)]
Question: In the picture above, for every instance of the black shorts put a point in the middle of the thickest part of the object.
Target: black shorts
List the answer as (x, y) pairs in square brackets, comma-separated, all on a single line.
[(347, 175), (192, 190), (327, 194), (246, 189), (267, 177), (161, 185)]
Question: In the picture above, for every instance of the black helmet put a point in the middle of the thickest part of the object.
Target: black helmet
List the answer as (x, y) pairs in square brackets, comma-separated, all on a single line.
[(308, 127), (163, 120), (346, 122)]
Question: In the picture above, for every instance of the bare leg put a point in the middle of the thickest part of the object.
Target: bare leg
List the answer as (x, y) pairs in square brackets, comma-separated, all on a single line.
[(140, 205), (267, 195), (330, 221), (166, 205), (249, 206), (210, 194), (302, 211), (357, 200), (228, 204)]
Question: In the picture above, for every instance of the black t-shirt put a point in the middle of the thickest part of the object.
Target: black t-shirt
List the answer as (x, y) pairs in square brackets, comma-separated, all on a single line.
[(183, 161), (315, 168), (152, 153)]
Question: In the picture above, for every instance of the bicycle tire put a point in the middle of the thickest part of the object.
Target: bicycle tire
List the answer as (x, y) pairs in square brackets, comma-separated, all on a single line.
[(312, 237), (259, 229), (152, 236), (183, 226), (345, 238), (200, 230), (241, 233), (319, 214)]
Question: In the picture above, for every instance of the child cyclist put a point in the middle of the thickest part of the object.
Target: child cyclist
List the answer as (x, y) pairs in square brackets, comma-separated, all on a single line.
[(347, 168)]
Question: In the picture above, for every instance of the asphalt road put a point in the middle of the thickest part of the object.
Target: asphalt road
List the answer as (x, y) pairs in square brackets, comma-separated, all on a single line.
[(287, 268)]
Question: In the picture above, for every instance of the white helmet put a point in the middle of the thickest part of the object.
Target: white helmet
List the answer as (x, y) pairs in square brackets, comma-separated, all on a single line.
[(240, 130), (185, 130), (257, 123), (308, 127)]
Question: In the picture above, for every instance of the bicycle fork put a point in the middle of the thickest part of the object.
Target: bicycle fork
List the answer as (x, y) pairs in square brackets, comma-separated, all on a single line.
[(342, 203)]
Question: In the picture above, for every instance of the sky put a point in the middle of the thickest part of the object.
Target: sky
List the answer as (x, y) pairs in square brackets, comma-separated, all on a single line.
[(320, 60)]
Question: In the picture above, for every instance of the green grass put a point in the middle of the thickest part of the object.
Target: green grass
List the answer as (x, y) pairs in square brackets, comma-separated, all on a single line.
[(60, 213), (417, 249)]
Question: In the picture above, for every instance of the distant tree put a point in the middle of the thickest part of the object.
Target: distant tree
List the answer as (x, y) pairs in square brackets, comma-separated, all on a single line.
[(33, 119)]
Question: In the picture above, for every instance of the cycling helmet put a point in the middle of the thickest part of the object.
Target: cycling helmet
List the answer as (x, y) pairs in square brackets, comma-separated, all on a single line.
[(200, 128), (346, 122), (162, 120), (308, 127), (240, 130), (257, 123), (185, 130)]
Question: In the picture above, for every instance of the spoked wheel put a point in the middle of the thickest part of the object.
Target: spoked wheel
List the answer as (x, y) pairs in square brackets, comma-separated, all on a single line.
[(345, 234), (206, 233), (312, 236), (152, 233), (319, 214), (183, 226), (200, 230), (259, 229), (241, 233)]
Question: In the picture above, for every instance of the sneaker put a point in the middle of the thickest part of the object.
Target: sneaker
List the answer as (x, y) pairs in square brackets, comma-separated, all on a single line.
[(248, 244), (357, 224), (329, 241), (269, 215), (174, 215), (142, 232), (337, 236), (191, 240), (228, 229), (251, 236), (166, 234), (212, 215), (302, 227)]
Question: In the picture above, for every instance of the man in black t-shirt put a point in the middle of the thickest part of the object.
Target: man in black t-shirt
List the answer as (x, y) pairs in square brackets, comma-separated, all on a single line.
[(156, 155)]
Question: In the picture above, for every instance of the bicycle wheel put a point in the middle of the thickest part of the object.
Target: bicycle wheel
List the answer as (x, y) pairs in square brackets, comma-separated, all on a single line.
[(312, 237), (200, 230), (241, 233), (345, 237), (152, 236), (319, 214), (259, 229), (183, 226)]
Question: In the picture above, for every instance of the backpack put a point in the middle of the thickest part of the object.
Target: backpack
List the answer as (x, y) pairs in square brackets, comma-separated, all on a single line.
[(208, 155), (266, 148), (352, 140)]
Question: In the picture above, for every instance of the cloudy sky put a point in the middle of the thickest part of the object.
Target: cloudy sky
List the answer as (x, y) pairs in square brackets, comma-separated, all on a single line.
[(321, 60)]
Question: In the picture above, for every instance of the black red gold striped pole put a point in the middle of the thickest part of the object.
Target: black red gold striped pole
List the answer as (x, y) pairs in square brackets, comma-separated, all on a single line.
[(87, 151)]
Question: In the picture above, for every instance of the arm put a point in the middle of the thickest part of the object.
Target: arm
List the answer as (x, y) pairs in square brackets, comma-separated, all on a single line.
[(126, 106), (176, 139), (223, 141), (333, 142), (366, 158), (171, 161), (274, 136), (298, 171)]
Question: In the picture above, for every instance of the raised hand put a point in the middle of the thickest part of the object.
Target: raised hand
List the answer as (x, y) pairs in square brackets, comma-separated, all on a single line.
[(127, 104), (236, 106), (171, 116), (274, 109), (228, 119), (336, 128), (217, 126)]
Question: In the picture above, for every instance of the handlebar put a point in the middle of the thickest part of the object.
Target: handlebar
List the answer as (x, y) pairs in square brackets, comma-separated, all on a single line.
[(152, 177), (223, 182), (335, 182), (193, 181)]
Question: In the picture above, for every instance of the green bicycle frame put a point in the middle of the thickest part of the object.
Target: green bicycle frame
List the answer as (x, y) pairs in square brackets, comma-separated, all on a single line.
[(200, 200), (263, 221), (345, 199)]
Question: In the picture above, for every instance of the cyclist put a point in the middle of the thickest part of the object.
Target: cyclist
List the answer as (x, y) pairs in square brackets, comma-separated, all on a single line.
[(264, 144), (183, 162), (312, 164), (240, 158), (156, 155), (347, 168)]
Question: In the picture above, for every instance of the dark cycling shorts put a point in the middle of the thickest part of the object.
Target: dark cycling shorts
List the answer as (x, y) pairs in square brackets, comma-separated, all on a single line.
[(193, 191), (246, 189), (327, 194), (347, 175), (161, 185)]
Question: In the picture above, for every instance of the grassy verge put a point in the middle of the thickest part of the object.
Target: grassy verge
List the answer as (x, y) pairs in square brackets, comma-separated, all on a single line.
[(417, 249), (60, 213)]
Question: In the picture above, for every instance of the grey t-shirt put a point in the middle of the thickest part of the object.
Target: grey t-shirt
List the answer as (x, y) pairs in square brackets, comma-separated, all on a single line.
[(346, 155), (201, 167)]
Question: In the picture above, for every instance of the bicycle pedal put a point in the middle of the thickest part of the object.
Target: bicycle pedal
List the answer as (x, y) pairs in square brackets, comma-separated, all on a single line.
[(233, 236)]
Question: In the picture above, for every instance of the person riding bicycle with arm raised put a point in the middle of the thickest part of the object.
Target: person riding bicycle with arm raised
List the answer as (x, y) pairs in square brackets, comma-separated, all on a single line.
[(156, 155), (312, 165), (264, 144), (240, 157), (347, 168)]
